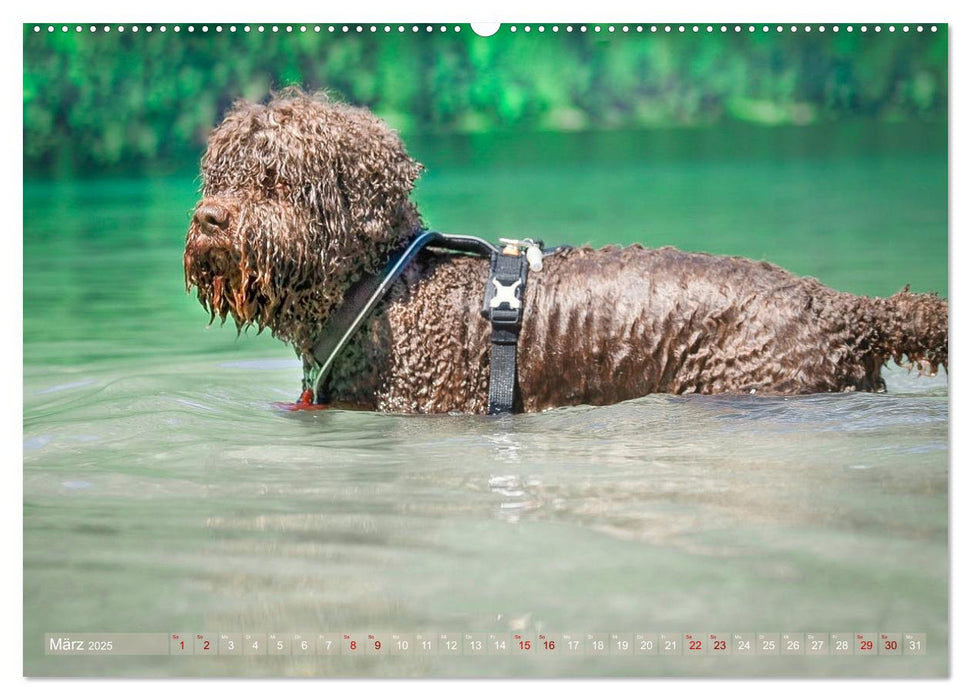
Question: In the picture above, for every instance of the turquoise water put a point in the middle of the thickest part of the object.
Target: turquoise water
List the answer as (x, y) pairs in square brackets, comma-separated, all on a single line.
[(164, 492)]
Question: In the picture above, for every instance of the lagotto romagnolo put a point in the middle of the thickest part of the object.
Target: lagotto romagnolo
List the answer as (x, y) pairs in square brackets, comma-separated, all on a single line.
[(304, 195)]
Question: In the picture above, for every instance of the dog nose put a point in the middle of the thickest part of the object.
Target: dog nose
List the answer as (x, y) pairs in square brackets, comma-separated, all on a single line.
[(212, 218)]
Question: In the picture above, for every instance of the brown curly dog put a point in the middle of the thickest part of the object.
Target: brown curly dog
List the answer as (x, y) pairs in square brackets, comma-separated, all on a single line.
[(304, 195)]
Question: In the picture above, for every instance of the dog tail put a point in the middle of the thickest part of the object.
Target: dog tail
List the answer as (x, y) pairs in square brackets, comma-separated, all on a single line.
[(911, 326)]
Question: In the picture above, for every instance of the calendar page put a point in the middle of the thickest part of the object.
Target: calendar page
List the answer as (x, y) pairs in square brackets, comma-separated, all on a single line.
[(546, 349)]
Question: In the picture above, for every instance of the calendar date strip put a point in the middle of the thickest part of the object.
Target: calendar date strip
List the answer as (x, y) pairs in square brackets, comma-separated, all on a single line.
[(685, 644)]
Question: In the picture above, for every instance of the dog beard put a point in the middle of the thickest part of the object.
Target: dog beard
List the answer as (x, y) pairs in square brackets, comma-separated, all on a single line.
[(261, 273)]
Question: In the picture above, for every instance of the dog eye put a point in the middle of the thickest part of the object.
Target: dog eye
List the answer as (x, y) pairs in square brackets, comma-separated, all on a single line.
[(269, 181), (274, 186)]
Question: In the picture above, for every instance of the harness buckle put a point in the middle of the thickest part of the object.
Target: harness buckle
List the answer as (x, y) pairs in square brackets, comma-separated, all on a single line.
[(506, 294), (503, 303)]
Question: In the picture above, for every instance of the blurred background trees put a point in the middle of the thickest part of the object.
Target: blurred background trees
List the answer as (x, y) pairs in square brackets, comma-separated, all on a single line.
[(141, 102)]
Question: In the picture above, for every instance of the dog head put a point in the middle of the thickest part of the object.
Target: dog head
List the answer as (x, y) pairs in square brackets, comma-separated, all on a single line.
[(300, 197)]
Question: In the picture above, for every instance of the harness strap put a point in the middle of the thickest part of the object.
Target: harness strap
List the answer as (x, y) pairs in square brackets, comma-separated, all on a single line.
[(366, 294), (503, 307)]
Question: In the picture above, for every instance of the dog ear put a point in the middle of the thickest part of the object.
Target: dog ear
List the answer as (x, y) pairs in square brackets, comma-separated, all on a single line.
[(375, 177)]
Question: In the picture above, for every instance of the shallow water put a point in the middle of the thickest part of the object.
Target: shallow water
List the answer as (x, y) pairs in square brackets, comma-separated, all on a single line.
[(164, 492)]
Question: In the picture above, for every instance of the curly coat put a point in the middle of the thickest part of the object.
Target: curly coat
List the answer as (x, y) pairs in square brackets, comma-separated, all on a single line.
[(304, 195)]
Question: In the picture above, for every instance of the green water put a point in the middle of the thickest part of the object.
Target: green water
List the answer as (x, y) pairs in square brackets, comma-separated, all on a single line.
[(163, 491)]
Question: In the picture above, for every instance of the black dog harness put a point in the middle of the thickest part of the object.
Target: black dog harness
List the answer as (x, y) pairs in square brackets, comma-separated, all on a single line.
[(502, 307)]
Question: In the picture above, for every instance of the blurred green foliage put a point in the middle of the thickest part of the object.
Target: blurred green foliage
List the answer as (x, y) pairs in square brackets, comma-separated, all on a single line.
[(101, 101)]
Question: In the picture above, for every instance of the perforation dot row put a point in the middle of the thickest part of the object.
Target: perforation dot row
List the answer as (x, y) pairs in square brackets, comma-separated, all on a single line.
[(414, 28), (247, 28)]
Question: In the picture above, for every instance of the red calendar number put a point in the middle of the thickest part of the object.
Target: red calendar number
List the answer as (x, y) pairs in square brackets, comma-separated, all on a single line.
[(549, 644), (866, 645), (720, 645), (524, 645), (890, 645), (353, 646), (695, 645)]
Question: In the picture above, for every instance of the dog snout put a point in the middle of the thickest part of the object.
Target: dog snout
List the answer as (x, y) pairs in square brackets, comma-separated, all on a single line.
[(212, 218)]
